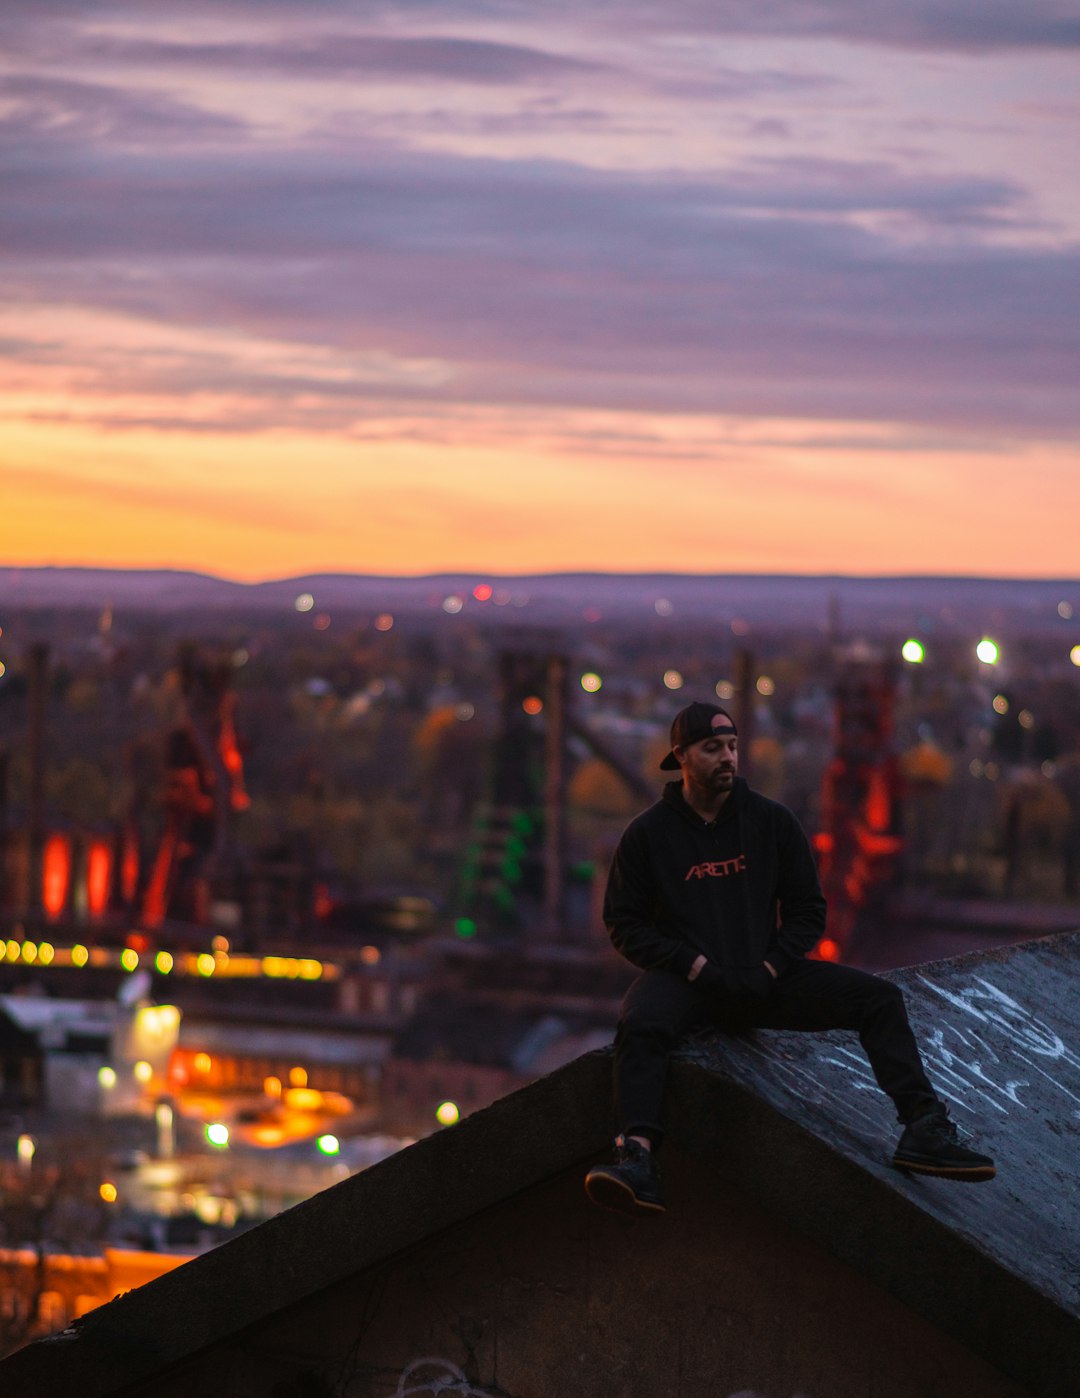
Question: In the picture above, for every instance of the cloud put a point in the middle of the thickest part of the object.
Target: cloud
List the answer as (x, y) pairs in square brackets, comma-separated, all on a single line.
[(51, 111), (976, 26), (763, 290)]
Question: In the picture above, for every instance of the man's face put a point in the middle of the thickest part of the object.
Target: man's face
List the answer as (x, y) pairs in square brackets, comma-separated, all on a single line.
[(711, 764)]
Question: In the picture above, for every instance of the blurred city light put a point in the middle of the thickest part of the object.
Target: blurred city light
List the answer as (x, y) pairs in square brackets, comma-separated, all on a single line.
[(1025, 718), (304, 602), (465, 927), (217, 1133), (143, 1071), (447, 1113), (913, 651), (298, 1077), (725, 689), (25, 1148), (322, 622), (206, 964), (452, 604), (663, 607), (329, 1145), (164, 962), (740, 627), (765, 685), (108, 1192), (107, 1077), (464, 712), (533, 704), (673, 679), (384, 622), (988, 651), (1074, 655), (591, 682), (483, 592), (202, 1063), (1001, 704), (1065, 611), (79, 956)]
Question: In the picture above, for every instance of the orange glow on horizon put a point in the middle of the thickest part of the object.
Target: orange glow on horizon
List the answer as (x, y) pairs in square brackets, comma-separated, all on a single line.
[(253, 507)]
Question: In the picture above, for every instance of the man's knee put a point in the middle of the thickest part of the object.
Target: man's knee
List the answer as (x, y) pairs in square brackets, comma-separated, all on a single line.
[(640, 1025), (885, 998)]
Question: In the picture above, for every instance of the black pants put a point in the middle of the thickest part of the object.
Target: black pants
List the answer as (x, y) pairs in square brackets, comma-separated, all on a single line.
[(660, 1008)]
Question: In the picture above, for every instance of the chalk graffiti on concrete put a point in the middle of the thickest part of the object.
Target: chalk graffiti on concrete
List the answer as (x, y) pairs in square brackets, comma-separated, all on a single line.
[(431, 1376), (988, 1061)]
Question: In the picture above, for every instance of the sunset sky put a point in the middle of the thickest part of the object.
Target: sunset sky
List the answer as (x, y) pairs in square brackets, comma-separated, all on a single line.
[(701, 285)]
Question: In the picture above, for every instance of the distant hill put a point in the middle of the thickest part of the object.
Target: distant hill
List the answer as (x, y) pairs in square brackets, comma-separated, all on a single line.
[(995, 604)]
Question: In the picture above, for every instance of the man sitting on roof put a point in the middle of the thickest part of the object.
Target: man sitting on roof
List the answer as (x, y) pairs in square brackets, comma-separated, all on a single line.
[(714, 894)]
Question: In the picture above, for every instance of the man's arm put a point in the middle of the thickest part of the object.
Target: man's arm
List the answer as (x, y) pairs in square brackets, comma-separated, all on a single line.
[(630, 913), (802, 905)]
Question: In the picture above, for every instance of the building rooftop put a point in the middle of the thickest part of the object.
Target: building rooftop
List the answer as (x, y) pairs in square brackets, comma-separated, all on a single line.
[(793, 1121)]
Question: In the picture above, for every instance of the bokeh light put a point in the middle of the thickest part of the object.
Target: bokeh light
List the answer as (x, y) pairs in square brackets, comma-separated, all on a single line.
[(765, 685), (304, 602), (988, 651), (217, 1133), (447, 1113), (1074, 655), (913, 651), (673, 679), (591, 682), (384, 622), (1001, 704), (329, 1145), (452, 604), (533, 704)]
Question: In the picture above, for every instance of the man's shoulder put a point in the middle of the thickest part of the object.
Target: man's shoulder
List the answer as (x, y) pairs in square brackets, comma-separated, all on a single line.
[(767, 811)]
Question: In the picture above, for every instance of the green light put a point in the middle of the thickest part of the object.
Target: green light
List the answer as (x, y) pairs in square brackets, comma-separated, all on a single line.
[(465, 927), (217, 1133), (329, 1145), (913, 652)]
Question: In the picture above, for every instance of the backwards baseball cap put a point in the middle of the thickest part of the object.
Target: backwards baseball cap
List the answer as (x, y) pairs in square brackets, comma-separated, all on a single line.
[(693, 724)]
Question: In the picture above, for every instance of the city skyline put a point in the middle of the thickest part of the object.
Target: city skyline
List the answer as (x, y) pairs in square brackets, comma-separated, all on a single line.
[(407, 290)]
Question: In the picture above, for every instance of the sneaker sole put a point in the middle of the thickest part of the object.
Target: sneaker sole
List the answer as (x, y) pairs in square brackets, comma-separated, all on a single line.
[(971, 1174), (611, 1193)]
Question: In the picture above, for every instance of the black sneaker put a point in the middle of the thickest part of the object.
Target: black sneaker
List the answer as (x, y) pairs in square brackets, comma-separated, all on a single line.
[(931, 1146), (631, 1183)]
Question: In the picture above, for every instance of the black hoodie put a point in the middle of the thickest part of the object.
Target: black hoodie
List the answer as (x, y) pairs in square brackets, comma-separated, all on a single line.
[(739, 890)]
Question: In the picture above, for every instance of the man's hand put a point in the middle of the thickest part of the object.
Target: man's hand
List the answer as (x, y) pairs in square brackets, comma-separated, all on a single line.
[(742, 982)]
